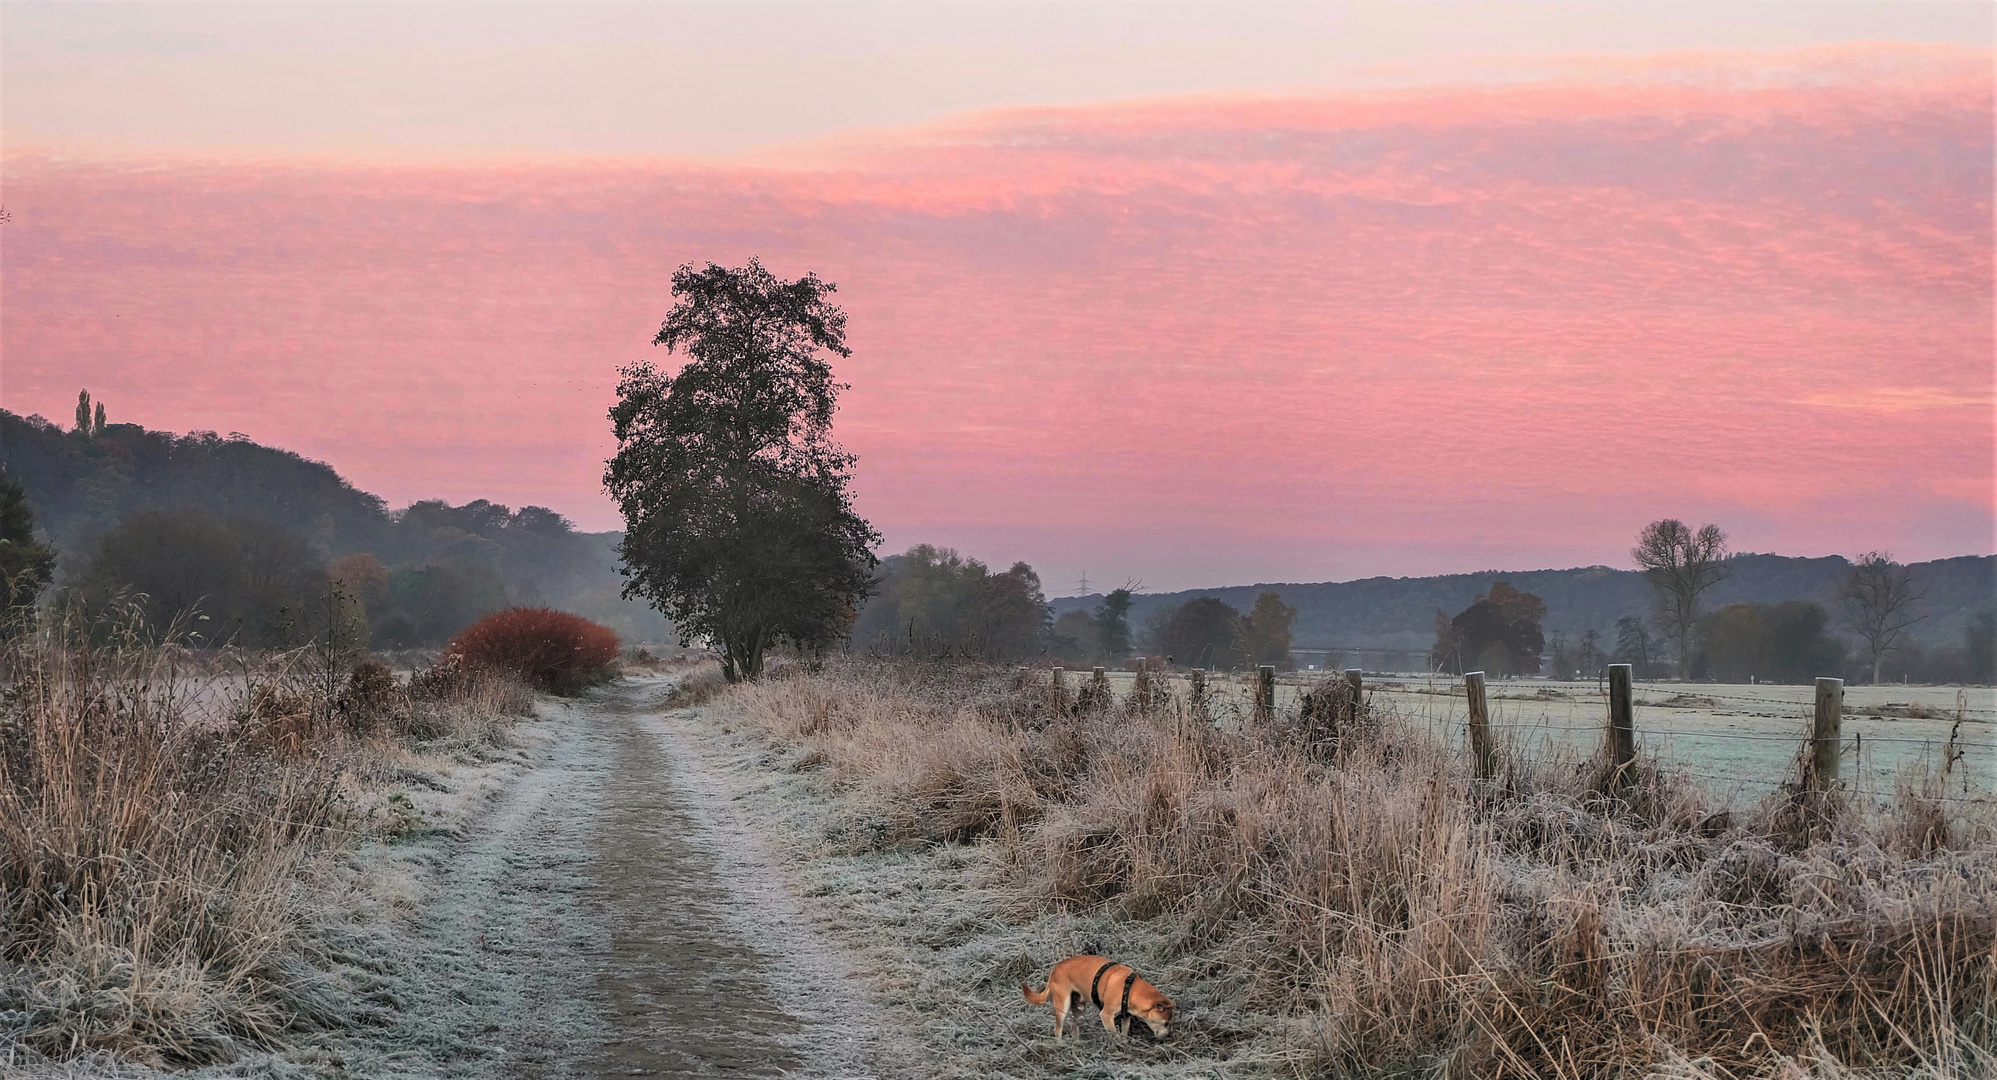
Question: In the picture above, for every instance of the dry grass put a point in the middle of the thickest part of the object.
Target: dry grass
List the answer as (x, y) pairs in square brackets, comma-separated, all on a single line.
[(1428, 925), (161, 819)]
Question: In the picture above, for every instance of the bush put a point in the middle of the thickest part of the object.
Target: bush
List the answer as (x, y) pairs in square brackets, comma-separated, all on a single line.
[(551, 650)]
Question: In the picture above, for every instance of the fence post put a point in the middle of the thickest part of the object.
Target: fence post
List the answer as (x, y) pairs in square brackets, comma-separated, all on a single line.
[(1060, 689), (1265, 693), (1622, 718), (1355, 689), (1826, 736), (1140, 691), (1197, 698), (1483, 759)]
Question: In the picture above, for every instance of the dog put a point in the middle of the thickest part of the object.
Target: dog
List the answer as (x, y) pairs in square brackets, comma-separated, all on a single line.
[(1117, 989)]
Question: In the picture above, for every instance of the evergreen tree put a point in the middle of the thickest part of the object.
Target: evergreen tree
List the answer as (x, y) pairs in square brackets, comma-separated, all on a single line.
[(25, 564), (83, 412), (98, 428)]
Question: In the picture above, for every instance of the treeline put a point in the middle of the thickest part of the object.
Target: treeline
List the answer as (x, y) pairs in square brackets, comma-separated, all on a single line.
[(1399, 613), (934, 602), (937, 603), (263, 542), (1793, 641)]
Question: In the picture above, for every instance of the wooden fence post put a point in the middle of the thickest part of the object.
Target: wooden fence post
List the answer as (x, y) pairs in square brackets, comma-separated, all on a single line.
[(1484, 759), (1826, 736), (1197, 698), (1265, 693), (1140, 691), (1060, 689), (1355, 690), (1622, 718)]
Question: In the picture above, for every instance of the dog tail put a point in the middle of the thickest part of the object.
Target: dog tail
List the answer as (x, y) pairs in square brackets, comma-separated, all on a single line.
[(1035, 997)]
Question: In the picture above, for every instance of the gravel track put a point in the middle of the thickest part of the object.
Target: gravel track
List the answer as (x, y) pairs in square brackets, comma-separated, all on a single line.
[(612, 912)]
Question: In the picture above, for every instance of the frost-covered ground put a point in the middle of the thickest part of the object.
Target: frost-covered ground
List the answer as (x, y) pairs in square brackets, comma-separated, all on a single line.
[(617, 888), (582, 901), (943, 945)]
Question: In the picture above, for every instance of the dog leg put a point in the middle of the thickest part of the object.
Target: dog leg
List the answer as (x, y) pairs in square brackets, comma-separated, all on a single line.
[(1123, 1029), (1060, 1016)]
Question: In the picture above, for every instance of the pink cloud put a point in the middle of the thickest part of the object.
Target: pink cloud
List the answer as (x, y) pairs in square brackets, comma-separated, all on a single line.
[(1298, 337)]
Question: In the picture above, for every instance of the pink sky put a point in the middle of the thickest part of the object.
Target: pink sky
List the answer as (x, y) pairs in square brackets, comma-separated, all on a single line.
[(1195, 339)]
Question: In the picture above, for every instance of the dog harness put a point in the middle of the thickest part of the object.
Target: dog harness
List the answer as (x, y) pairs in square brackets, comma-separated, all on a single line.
[(1095, 990)]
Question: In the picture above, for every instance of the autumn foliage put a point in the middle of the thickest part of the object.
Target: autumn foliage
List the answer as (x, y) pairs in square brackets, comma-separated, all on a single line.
[(553, 650)]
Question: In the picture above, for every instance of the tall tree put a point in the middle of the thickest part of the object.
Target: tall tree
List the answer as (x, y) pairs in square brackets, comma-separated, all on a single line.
[(1878, 600), (739, 525), (83, 412), (25, 563), (1204, 632), (1979, 647), (1113, 622), (1007, 616), (1268, 630), (1589, 657), (1498, 633), (1633, 647), (97, 428), (1681, 566)]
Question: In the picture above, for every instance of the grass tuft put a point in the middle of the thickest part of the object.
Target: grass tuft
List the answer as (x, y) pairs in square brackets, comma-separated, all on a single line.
[(162, 815)]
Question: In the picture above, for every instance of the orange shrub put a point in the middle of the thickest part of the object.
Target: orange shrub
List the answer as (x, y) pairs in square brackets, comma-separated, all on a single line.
[(552, 650)]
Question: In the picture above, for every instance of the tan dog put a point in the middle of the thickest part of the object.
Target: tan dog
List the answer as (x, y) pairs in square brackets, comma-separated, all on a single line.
[(1114, 988)]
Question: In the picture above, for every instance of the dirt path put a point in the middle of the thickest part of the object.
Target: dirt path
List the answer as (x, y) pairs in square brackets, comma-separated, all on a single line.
[(610, 913)]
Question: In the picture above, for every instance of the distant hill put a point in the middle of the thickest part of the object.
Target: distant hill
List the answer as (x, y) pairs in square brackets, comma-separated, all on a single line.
[(82, 487), (1399, 613)]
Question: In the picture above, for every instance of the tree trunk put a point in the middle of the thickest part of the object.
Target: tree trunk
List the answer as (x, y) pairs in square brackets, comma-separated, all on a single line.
[(1878, 659)]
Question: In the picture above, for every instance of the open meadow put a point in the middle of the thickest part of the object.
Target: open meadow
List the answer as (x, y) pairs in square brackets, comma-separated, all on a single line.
[(1740, 740)]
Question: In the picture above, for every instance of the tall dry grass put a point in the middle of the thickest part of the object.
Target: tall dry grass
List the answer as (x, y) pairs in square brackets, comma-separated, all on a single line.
[(1542, 925), (161, 817)]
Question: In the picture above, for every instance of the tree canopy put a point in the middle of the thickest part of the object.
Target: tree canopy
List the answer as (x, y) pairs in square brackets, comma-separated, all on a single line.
[(1202, 632), (740, 528), (1681, 566), (1267, 630), (1499, 633), (932, 601)]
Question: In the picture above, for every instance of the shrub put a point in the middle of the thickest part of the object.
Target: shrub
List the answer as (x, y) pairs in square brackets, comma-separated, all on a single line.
[(551, 650)]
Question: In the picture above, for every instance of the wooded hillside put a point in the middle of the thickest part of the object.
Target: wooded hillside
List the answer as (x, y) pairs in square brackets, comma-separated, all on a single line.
[(1399, 613), (444, 565)]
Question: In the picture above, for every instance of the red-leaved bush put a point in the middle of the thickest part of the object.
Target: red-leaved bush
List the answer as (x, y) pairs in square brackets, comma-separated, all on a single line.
[(552, 650)]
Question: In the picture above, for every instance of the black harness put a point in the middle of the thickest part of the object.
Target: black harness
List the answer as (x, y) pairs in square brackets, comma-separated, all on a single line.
[(1095, 990)]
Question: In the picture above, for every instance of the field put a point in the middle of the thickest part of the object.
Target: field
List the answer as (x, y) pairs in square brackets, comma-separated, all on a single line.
[(1360, 908), (849, 869), (1740, 740)]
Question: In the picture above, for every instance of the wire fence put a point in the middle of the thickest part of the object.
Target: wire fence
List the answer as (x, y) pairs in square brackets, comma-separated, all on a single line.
[(1875, 759)]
